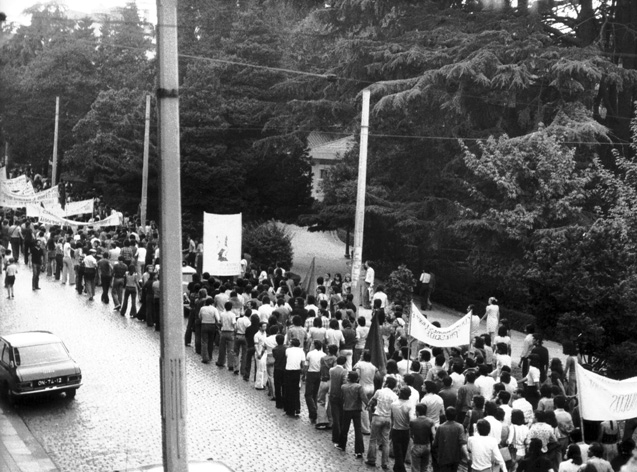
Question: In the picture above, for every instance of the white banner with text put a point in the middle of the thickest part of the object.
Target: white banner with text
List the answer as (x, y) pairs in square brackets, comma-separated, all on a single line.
[(458, 334), (606, 399)]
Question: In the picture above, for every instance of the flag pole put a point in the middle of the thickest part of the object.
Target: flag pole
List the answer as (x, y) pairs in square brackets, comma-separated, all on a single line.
[(579, 399)]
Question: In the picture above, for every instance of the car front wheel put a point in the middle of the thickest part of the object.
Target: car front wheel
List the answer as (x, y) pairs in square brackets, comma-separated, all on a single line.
[(7, 394), (70, 393)]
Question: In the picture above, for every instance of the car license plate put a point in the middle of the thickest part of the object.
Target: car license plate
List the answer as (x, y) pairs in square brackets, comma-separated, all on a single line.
[(53, 381)]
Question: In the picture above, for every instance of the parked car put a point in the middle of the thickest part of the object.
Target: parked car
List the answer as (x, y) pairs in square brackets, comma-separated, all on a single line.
[(34, 363)]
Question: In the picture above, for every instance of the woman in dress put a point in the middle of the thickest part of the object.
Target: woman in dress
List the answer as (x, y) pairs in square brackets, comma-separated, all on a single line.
[(260, 355), (492, 314)]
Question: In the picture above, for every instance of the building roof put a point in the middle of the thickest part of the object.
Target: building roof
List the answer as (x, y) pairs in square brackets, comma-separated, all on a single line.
[(329, 145)]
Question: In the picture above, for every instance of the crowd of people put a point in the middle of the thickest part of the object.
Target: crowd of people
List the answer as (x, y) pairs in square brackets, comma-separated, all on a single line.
[(122, 262), (428, 406), (434, 406)]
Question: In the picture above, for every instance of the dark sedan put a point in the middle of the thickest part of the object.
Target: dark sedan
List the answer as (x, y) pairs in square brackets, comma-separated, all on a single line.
[(36, 362)]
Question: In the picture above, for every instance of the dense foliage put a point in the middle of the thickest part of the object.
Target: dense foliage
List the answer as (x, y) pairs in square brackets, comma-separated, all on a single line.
[(268, 243)]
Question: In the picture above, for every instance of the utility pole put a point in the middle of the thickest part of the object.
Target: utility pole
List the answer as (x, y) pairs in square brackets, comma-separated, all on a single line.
[(172, 362), (54, 170), (144, 204), (359, 222)]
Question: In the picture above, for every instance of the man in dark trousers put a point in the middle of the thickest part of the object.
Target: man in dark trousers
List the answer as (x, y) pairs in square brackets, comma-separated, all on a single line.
[(279, 370), (354, 400), (450, 444), (37, 256), (338, 376)]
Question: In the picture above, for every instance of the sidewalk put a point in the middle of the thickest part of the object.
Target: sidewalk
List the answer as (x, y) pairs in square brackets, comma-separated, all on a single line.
[(19, 450)]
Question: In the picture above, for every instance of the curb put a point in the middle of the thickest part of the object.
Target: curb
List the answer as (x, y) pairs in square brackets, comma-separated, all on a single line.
[(19, 450)]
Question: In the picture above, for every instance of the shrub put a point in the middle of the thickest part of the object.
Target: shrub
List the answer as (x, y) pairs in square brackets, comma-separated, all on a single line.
[(622, 360), (399, 287), (268, 243)]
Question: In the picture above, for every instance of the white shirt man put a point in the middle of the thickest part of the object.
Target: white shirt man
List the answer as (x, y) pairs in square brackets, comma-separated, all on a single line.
[(314, 360), (485, 451), (295, 358), (433, 401), (521, 403), (265, 311), (382, 296), (485, 383)]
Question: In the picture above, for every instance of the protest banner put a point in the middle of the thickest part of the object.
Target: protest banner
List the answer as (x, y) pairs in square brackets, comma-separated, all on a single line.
[(222, 244), (457, 334), (19, 185), (603, 399), (79, 208), (10, 200), (49, 217)]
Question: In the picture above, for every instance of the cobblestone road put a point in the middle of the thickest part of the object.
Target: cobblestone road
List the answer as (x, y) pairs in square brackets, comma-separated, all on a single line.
[(114, 422)]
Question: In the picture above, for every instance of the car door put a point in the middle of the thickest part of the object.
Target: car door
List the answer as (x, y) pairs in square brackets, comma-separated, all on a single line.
[(5, 361)]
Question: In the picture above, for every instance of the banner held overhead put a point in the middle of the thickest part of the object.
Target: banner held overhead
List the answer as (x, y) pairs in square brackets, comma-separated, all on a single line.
[(606, 399), (457, 334), (222, 244)]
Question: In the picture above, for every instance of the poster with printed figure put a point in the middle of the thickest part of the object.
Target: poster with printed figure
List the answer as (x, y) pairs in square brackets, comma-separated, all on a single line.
[(222, 244)]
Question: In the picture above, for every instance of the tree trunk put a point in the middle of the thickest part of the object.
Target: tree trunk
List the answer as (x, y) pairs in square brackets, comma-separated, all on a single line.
[(587, 23), (624, 18)]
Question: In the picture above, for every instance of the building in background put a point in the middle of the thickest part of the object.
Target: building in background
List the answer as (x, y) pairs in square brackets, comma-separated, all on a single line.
[(325, 150)]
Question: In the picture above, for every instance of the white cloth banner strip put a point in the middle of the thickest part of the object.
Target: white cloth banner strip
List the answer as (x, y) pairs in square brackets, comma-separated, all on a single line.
[(20, 185), (458, 334), (49, 217), (33, 210), (79, 208), (10, 200), (606, 399), (222, 244)]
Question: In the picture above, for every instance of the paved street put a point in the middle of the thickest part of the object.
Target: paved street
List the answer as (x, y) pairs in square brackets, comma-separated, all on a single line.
[(114, 422)]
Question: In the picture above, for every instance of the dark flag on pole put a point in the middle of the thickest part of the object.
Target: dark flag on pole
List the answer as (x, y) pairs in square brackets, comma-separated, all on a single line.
[(375, 346), (309, 282)]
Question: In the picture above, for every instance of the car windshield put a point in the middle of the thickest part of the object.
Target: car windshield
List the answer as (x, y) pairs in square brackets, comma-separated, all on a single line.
[(40, 354)]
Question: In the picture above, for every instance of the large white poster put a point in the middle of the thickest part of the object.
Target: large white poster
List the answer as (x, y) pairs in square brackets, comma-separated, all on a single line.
[(457, 334), (79, 208), (222, 244), (606, 399)]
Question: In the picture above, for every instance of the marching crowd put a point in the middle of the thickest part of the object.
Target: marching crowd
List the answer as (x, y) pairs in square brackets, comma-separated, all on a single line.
[(428, 406)]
